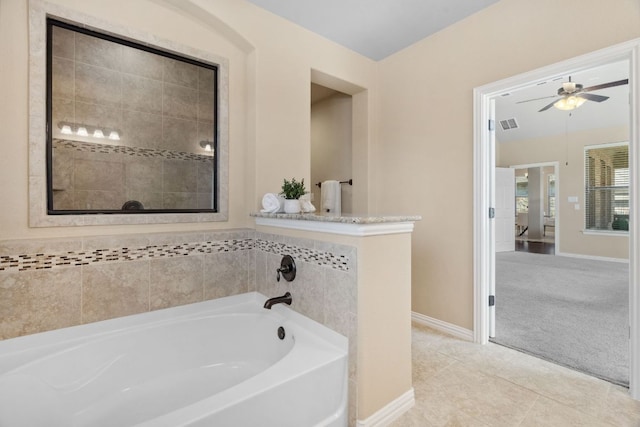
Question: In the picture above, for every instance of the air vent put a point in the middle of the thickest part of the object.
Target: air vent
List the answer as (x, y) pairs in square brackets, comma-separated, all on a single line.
[(509, 124)]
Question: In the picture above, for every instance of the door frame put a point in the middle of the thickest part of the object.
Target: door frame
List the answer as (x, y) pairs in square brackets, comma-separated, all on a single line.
[(484, 161), (492, 257), (556, 171)]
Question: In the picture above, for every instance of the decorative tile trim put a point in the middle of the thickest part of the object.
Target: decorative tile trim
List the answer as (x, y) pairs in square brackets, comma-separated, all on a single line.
[(40, 261), (91, 147), (321, 258), (43, 261)]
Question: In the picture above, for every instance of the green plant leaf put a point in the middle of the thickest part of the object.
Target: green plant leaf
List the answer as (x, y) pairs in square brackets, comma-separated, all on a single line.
[(293, 189)]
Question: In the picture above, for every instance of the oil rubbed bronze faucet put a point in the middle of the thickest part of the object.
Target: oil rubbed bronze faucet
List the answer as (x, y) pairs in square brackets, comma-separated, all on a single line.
[(287, 268), (284, 299)]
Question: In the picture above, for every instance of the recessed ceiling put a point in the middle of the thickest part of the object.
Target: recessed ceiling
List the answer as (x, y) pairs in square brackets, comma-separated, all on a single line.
[(374, 28)]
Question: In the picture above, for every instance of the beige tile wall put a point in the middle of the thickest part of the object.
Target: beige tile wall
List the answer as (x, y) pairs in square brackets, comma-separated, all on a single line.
[(320, 291), (99, 178), (155, 102), (95, 278)]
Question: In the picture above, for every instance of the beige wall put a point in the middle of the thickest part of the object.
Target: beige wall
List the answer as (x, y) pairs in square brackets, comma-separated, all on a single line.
[(568, 151), (141, 16), (425, 101), (383, 314), (270, 63), (331, 146), (283, 60)]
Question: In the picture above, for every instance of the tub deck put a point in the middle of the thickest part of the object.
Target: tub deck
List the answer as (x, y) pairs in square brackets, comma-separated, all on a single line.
[(218, 362)]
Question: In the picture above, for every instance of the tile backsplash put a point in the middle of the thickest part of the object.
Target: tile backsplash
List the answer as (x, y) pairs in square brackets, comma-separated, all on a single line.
[(49, 284)]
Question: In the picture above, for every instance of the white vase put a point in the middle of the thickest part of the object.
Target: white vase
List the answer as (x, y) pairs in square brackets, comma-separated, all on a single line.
[(292, 206)]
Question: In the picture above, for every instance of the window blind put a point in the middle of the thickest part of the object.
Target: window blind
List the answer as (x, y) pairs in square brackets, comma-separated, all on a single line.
[(607, 187)]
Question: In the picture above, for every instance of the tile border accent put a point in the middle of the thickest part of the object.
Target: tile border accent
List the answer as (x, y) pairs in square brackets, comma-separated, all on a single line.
[(41, 261), (66, 259), (92, 147), (320, 258)]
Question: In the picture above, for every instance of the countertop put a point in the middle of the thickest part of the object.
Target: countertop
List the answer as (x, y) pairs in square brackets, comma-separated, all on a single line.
[(344, 219)]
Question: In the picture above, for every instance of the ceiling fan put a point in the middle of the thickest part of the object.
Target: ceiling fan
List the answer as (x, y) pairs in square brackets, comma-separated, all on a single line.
[(574, 95)]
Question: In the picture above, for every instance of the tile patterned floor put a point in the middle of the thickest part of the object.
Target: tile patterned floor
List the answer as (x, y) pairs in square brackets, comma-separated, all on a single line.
[(458, 383)]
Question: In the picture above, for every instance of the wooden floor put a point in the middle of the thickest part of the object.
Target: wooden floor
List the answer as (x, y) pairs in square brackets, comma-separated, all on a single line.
[(535, 247)]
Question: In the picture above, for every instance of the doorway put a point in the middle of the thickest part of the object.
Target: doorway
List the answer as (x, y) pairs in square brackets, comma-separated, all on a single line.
[(484, 161), (544, 209)]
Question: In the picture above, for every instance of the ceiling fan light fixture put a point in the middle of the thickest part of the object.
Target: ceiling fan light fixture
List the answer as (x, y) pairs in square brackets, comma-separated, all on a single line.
[(569, 103), (569, 86)]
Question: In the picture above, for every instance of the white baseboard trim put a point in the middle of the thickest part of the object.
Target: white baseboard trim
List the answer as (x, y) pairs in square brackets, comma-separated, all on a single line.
[(593, 257), (391, 412), (439, 325)]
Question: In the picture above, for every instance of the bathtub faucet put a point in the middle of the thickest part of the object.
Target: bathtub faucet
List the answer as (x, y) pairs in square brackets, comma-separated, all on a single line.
[(284, 299)]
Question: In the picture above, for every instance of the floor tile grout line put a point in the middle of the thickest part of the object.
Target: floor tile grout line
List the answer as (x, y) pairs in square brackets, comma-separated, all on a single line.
[(461, 360), (530, 407)]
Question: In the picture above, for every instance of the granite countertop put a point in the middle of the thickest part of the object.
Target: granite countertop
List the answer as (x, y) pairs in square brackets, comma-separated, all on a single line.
[(344, 219)]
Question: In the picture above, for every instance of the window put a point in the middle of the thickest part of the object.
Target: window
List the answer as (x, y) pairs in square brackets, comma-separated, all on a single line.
[(551, 196), (607, 187), (522, 194)]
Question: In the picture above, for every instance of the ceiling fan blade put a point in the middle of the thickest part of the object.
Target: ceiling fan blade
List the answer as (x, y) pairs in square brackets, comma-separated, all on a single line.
[(592, 97), (546, 107), (536, 99), (606, 85)]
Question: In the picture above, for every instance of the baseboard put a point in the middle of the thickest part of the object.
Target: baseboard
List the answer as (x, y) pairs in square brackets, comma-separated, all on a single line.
[(439, 325), (593, 257), (391, 412)]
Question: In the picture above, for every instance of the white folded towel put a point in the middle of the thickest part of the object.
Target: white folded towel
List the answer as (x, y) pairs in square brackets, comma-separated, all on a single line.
[(331, 195), (306, 205), (272, 203)]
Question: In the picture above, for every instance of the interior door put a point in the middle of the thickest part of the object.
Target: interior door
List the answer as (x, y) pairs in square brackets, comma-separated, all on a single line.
[(505, 210), (492, 221)]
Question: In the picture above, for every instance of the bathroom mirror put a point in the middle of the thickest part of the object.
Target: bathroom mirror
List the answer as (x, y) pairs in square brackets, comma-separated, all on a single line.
[(131, 128)]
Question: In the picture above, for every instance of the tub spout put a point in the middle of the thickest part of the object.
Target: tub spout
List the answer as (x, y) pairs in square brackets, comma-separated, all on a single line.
[(284, 299)]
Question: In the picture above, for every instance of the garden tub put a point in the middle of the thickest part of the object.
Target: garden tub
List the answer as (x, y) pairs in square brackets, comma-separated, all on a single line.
[(216, 363)]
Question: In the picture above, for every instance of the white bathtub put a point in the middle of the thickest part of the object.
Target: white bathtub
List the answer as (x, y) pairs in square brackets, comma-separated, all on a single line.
[(216, 363)]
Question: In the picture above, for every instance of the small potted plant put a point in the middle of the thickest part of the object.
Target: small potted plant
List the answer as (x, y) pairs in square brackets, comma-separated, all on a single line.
[(292, 191)]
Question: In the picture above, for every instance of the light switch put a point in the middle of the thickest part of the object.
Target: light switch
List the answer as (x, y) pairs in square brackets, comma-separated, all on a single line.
[(576, 207)]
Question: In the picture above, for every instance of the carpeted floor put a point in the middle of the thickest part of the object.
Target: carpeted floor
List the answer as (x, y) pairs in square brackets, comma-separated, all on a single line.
[(571, 311)]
